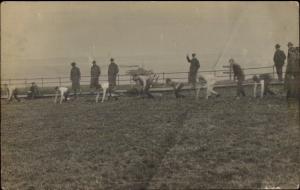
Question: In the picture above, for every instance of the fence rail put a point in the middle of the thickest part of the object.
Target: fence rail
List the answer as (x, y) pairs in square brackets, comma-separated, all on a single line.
[(123, 79)]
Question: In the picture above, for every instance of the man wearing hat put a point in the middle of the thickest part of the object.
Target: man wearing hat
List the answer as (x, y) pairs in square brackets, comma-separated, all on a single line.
[(113, 71), (95, 74), (75, 78), (194, 66), (279, 58)]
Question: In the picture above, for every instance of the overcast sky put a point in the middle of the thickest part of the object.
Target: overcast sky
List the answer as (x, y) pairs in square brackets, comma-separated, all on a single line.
[(42, 30)]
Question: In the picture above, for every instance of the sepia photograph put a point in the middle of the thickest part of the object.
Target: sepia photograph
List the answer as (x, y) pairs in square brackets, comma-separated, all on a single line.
[(150, 95)]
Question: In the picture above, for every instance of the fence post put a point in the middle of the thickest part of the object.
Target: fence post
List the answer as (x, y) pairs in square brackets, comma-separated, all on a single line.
[(230, 70), (163, 76), (59, 80)]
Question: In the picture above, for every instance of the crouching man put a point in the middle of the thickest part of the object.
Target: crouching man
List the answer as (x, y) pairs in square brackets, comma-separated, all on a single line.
[(12, 92), (263, 80), (177, 87), (34, 91), (146, 82), (63, 92), (207, 81)]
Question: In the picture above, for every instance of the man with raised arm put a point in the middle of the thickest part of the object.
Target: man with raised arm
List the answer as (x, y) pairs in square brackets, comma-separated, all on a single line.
[(194, 66)]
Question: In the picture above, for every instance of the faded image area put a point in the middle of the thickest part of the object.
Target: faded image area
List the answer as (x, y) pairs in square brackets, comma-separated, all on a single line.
[(150, 95)]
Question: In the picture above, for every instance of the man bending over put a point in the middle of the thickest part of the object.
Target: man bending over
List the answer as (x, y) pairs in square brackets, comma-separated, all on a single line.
[(12, 92), (177, 86), (146, 82), (207, 81), (63, 92), (263, 80)]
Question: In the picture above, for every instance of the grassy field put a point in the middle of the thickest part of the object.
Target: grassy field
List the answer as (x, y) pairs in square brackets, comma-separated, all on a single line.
[(136, 143)]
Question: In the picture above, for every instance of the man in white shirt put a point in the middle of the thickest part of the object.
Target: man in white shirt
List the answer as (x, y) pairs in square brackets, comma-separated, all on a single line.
[(104, 86), (146, 82), (63, 92), (12, 92), (207, 81), (263, 80)]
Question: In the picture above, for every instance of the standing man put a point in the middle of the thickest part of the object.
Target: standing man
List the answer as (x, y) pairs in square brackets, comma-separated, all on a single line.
[(194, 66), (239, 75), (95, 74), (75, 78), (290, 46), (113, 71), (292, 75), (279, 58)]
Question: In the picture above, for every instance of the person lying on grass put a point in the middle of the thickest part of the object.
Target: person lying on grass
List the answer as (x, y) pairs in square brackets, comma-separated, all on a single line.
[(63, 92), (207, 81), (12, 92), (146, 82), (263, 80), (177, 87)]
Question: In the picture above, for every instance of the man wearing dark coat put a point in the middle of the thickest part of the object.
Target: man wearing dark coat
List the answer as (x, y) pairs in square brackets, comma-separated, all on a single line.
[(290, 49), (33, 91), (279, 58), (238, 74), (75, 78), (113, 71), (194, 66), (95, 74), (292, 75)]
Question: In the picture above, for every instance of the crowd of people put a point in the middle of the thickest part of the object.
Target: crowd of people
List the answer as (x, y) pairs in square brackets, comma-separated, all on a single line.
[(195, 81)]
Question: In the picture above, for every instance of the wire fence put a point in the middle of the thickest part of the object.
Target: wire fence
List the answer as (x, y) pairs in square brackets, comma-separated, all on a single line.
[(125, 79)]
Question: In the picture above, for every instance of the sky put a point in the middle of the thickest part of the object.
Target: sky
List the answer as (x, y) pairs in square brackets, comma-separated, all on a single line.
[(42, 38)]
